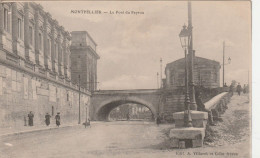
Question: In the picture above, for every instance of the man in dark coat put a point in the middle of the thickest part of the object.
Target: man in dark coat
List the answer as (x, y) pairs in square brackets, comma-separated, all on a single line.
[(239, 88), (231, 89), (57, 117), (47, 119), (30, 115), (225, 85), (158, 120), (244, 89)]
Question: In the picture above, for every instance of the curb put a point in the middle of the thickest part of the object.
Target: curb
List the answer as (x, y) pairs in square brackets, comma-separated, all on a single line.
[(34, 131)]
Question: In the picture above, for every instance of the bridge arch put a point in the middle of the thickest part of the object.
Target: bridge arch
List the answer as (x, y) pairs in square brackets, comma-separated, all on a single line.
[(107, 106)]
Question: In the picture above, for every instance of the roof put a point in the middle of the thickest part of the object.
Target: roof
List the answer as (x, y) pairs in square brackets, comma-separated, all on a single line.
[(85, 32), (196, 58)]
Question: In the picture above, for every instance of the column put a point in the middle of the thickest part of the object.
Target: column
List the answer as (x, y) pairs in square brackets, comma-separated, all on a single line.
[(1, 25), (95, 74), (14, 27), (26, 30), (60, 52), (37, 36), (65, 56), (45, 49), (52, 49), (68, 64)]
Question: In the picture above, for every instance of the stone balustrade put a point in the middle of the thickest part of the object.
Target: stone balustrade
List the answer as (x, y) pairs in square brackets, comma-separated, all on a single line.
[(185, 137)]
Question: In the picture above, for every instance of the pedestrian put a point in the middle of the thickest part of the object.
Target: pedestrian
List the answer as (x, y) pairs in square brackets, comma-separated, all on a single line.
[(158, 120), (225, 85), (57, 117), (231, 89), (239, 88), (30, 115), (87, 123), (47, 119), (244, 89), (201, 107), (128, 116)]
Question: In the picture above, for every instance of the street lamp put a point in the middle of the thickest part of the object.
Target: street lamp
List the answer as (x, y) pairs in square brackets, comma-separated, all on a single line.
[(79, 102), (229, 61), (184, 38)]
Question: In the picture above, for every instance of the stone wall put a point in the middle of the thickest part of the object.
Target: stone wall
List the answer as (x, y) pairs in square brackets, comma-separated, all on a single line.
[(205, 73), (21, 92)]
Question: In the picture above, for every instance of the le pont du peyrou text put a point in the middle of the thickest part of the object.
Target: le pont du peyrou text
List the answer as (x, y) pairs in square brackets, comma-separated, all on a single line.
[(117, 12)]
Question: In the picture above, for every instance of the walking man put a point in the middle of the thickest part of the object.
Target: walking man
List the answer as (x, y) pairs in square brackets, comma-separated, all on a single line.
[(87, 123), (158, 120), (239, 88), (47, 119), (30, 115), (244, 89), (231, 89), (57, 117)]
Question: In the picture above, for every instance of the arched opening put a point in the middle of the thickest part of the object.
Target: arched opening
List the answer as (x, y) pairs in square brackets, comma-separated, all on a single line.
[(131, 112), (125, 110)]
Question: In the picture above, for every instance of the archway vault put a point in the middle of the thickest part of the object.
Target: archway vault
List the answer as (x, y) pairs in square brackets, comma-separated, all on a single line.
[(106, 107)]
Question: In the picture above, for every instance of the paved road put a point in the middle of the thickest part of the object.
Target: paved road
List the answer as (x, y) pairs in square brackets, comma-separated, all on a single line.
[(125, 140), (102, 139)]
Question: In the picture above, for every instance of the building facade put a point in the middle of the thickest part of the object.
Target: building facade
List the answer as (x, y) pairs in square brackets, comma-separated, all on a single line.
[(206, 73), (84, 60), (35, 67)]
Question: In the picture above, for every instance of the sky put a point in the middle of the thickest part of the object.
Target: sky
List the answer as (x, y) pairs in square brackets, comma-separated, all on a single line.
[(130, 46)]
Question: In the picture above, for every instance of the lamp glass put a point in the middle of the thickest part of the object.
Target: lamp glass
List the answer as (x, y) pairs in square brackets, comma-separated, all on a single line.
[(184, 37)]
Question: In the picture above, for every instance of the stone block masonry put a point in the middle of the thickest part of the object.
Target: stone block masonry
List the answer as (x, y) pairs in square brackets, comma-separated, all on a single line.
[(22, 92)]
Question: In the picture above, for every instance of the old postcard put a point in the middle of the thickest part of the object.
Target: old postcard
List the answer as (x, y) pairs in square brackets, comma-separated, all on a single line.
[(125, 79)]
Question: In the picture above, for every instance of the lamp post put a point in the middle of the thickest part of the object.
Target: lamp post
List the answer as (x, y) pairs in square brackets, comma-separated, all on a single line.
[(161, 73), (79, 101), (229, 61), (191, 53), (184, 38), (158, 80)]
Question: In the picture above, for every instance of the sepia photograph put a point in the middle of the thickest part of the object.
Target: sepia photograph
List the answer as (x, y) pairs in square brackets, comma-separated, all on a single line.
[(126, 79)]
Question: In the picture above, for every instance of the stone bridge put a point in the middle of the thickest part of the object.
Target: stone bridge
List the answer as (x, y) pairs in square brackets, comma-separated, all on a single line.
[(104, 101)]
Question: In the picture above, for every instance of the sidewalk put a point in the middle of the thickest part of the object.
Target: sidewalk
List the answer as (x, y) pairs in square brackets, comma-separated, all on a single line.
[(5, 132)]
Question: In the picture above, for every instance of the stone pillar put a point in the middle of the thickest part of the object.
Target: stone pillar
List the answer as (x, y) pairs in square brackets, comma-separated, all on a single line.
[(53, 61), (68, 63), (65, 56), (37, 36), (95, 74), (26, 30), (45, 49), (60, 55), (14, 27), (1, 25)]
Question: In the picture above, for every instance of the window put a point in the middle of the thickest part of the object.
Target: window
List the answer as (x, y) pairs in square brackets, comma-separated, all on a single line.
[(6, 20), (31, 35), (19, 28), (40, 41)]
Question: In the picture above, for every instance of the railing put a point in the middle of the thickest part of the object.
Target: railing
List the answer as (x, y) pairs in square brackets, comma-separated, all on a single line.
[(218, 104)]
